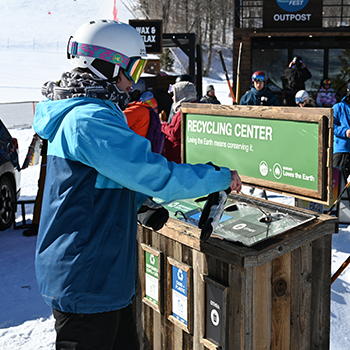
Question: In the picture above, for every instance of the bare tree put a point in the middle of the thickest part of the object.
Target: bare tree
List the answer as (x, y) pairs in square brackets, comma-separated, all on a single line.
[(211, 21)]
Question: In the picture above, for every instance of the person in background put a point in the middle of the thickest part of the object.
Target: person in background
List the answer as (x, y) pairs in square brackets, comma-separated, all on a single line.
[(182, 77), (326, 94), (302, 99), (258, 94), (142, 115), (341, 144), (181, 92), (294, 78), (210, 97), (99, 173)]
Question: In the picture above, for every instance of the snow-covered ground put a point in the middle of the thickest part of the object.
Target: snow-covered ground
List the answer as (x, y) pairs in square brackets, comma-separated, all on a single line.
[(32, 40)]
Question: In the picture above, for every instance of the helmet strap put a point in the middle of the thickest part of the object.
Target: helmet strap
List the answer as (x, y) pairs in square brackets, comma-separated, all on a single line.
[(98, 73), (104, 70)]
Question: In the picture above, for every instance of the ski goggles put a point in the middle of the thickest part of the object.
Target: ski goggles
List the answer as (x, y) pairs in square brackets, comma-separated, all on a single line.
[(258, 78), (132, 66), (299, 100), (327, 81), (171, 89)]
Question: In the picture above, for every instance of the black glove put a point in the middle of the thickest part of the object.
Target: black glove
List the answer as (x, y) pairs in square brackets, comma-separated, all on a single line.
[(212, 213), (152, 214)]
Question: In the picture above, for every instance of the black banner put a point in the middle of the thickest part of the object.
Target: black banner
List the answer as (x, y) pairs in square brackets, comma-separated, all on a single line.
[(292, 13), (151, 32), (214, 321)]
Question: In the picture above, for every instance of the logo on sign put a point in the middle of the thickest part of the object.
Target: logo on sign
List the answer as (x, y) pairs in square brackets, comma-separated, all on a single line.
[(239, 226), (214, 317), (152, 260), (292, 5), (180, 275), (263, 168), (277, 171)]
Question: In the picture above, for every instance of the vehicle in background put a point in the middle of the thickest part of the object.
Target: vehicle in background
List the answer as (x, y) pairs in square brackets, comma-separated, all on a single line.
[(10, 177)]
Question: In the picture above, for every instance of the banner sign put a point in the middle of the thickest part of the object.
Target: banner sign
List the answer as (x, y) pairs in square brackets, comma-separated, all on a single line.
[(151, 277), (271, 150), (179, 294), (214, 304), (151, 32), (277, 148), (292, 13)]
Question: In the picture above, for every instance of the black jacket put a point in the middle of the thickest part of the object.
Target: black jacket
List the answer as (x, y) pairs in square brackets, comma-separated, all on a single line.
[(293, 78), (210, 99)]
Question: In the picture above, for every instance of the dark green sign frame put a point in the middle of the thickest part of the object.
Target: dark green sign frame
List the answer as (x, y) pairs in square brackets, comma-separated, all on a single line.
[(283, 149)]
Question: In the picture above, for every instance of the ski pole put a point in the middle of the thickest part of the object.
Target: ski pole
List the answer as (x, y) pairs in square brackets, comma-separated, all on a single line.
[(339, 198), (347, 261), (238, 71), (227, 78), (341, 269)]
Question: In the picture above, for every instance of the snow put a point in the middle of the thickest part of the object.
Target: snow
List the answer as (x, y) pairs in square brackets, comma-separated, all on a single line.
[(32, 46)]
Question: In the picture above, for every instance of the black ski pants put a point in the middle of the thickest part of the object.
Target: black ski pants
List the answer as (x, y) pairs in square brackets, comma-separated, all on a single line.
[(342, 160), (114, 330)]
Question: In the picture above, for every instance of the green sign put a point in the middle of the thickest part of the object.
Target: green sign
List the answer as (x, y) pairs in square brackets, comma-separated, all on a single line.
[(282, 151), (151, 277)]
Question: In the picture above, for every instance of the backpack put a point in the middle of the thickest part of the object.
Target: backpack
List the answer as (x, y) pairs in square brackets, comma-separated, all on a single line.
[(154, 133)]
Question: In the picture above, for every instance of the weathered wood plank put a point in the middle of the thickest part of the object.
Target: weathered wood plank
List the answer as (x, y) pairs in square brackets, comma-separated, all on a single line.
[(261, 313), (157, 317), (167, 326), (321, 292), (301, 276), (281, 302), (235, 314), (199, 268), (247, 309), (141, 317), (261, 112)]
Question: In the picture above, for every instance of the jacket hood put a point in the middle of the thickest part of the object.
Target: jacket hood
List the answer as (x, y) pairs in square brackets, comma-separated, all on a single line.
[(50, 114), (184, 91), (345, 99)]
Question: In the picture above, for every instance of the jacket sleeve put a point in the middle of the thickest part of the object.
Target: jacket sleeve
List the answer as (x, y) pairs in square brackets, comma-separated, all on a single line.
[(334, 99), (101, 139), (319, 101), (273, 99), (306, 74), (339, 127), (243, 100), (173, 130)]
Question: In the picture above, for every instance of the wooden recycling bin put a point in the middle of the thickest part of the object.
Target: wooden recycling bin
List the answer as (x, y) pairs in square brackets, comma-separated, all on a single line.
[(274, 295), (223, 293)]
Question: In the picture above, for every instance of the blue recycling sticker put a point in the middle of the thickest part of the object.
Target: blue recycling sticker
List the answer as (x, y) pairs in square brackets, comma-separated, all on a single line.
[(292, 5), (223, 218)]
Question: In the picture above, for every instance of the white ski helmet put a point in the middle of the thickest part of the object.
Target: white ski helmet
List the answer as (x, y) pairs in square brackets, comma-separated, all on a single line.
[(301, 96), (104, 46)]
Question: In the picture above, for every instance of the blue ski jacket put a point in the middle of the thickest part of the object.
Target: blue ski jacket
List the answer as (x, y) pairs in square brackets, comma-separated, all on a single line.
[(98, 173), (341, 112), (253, 97)]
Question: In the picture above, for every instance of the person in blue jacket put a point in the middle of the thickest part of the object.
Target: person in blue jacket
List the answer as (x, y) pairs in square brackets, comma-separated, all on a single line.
[(99, 173), (341, 144), (258, 94)]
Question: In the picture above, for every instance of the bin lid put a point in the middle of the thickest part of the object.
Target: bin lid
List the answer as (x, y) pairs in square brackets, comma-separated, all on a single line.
[(245, 220)]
